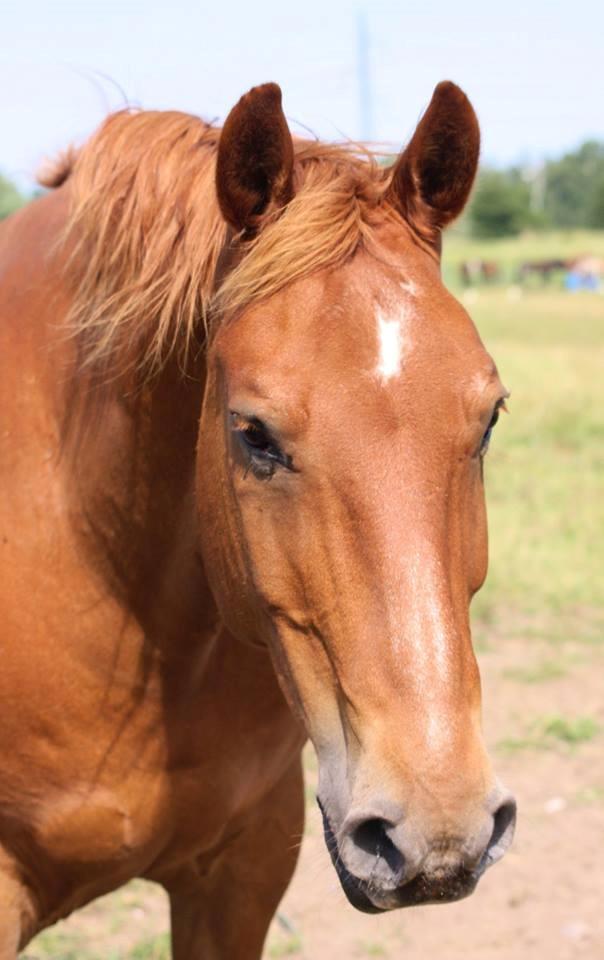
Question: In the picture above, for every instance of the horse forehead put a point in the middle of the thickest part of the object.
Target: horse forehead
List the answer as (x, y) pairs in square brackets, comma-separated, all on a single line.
[(367, 325), (392, 318)]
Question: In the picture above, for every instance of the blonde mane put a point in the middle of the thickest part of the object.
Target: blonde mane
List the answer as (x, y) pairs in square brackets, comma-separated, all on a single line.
[(146, 235)]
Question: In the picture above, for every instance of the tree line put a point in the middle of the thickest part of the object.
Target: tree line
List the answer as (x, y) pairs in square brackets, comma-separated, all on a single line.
[(566, 193), (563, 193)]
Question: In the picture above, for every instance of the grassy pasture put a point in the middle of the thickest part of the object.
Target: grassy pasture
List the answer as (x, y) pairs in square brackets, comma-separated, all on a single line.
[(510, 252), (543, 599), (545, 468)]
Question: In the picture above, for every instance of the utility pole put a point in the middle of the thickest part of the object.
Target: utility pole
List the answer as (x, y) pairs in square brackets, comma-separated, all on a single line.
[(364, 76)]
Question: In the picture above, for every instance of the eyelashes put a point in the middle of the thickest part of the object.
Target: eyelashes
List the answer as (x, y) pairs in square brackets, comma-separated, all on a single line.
[(262, 453), (484, 445)]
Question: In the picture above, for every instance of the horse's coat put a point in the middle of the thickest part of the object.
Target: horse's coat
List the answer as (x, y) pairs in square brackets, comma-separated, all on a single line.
[(220, 531)]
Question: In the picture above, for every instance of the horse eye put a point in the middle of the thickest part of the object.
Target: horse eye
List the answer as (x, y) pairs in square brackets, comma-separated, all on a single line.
[(256, 437), (484, 446), (262, 452)]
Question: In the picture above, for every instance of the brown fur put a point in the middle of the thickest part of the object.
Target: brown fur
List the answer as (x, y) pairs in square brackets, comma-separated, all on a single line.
[(433, 177), (255, 159), (303, 520), (148, 229), (148, 234)]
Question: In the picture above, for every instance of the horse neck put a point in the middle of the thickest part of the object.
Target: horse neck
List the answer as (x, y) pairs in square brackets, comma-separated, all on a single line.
[(130, 466)]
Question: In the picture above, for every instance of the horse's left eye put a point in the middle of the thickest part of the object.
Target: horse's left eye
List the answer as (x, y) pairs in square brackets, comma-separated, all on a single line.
[(262, 452), (484, 446)]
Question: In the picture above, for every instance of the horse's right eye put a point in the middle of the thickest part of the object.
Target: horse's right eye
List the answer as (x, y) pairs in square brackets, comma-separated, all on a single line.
[(256, 437), (263, 453)]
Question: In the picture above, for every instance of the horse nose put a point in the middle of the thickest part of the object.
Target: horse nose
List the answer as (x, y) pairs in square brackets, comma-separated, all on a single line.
[(382, 849), (504, 823), (372, 837), (389, 850)]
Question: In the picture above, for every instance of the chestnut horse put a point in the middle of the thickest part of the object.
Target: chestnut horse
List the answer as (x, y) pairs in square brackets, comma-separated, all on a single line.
[(243, 430)]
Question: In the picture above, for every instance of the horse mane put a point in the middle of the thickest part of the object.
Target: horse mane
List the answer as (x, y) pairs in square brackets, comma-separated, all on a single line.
[(145, 235)]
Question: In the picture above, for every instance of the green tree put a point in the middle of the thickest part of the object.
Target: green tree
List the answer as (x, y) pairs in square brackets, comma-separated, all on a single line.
[(596, 210), (10, 198), (500, 206), (573, 185)]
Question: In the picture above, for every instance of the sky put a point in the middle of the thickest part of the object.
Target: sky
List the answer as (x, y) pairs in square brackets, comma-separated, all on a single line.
[(534, 70)]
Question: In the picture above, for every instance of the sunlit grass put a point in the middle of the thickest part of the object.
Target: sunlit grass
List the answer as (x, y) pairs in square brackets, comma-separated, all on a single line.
[(540, 673), (285, 947), (52, 946), (130, 924), (510, 252), (545, 468), (371, 948), (548, 733)]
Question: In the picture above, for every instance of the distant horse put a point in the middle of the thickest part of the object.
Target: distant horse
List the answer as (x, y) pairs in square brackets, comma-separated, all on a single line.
[(243, 430), (541, 268), (478, 271)]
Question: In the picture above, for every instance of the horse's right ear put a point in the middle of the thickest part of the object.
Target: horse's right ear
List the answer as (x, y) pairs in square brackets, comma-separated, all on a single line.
[(254, 167)]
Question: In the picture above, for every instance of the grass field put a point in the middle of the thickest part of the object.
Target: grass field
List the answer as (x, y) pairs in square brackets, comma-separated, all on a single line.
[(510, 252), (545, 467), (539, 628)]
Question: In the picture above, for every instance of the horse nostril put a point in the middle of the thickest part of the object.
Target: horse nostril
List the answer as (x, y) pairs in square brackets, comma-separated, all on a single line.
[(371, 836), (504, 821)]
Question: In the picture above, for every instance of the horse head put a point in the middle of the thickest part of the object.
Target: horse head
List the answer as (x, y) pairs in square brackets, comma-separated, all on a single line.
[(347, 413)]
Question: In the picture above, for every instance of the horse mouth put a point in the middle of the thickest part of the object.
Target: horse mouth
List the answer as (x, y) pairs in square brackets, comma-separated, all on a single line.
[(369, 897), (418, 892)]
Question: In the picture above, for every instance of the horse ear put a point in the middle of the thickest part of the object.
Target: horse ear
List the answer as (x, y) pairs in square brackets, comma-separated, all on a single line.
[(433, 176), (254, 168)]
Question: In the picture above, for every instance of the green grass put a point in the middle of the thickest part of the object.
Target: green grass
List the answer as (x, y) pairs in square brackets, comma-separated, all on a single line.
[(157, 948), (565, 730), (51, 945), (289, 947), (549, 733), (129, 925), (510, 252), (539, 673), (589, 796), (371, 948), (545, 467)]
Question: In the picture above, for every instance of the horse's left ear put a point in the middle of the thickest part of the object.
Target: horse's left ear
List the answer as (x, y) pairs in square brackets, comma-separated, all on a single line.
[(254, 167), (433, 176)]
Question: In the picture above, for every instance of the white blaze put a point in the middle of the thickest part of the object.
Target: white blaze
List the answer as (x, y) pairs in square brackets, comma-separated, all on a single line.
[(390, 347)]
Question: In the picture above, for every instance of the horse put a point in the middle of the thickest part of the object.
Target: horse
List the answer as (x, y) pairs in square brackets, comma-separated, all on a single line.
[(476, 271), (242, 445), (541, 268)]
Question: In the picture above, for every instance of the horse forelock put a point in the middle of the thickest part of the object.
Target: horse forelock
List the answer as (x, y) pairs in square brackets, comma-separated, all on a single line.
[(146, 235)]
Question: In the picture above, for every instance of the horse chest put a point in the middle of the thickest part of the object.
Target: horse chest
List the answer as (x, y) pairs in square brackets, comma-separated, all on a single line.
[(154, 778)]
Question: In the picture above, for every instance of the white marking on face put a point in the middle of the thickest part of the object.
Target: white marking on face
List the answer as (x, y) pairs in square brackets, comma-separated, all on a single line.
[(390, 346), (391, 326), (409, 287)]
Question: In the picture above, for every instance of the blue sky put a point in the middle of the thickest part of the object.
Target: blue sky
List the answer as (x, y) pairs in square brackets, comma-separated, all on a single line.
[(533, 69)]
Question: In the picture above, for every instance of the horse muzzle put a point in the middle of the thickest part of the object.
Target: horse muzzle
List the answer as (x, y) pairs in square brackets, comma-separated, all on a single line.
[(383, 865)]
